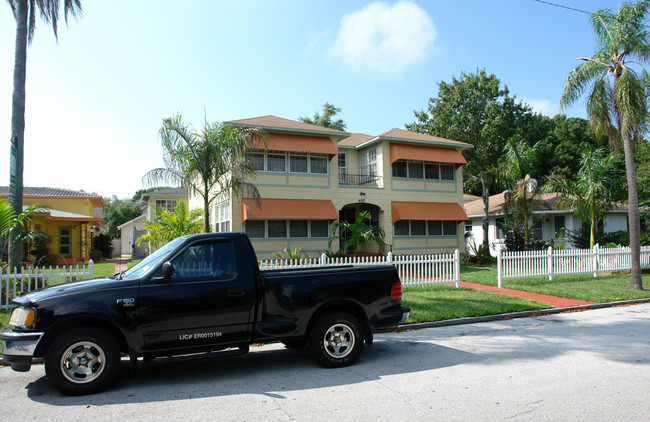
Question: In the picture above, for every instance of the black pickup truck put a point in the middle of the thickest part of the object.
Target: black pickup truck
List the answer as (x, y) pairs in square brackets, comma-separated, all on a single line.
[(198, 296)]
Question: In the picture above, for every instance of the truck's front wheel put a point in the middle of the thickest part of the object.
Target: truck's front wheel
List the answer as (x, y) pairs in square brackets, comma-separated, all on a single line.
[(83, 360), (336, 340)]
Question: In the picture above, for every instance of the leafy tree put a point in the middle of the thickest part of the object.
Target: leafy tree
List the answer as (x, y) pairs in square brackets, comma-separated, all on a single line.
[(8, 221), (168, 226), (589, 193), (476, 110), (617, 96), (517, 165), (25, 14), (117, 212), (325, 120), (354, 234), (642, 159), (209, 161)]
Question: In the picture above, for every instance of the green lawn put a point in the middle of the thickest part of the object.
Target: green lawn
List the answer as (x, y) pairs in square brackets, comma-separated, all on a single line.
[(438, 303), (604, 288)]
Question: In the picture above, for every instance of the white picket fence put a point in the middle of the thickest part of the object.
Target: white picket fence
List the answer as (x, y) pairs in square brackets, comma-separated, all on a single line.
[(27, 279), (550, 262), (414, 270)]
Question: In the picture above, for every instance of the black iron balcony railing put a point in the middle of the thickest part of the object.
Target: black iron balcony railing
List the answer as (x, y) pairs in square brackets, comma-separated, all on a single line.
[(360, 180)]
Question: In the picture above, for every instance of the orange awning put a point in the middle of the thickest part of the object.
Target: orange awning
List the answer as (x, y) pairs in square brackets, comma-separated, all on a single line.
[(292, 143), (422, 153), (444, 211), (288, 209)]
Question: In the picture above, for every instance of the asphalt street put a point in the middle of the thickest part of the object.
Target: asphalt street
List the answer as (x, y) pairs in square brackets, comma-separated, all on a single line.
[(592, 365)]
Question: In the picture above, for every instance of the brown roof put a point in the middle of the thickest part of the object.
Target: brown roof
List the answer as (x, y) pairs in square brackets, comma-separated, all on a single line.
[(542, 202), (44, 192), (271, 123), (407, 135), (355, 139)]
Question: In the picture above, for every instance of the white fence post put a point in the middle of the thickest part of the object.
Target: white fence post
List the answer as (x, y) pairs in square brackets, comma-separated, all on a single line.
[(595, 260), (499, 267), (457, 267), (550, 263)]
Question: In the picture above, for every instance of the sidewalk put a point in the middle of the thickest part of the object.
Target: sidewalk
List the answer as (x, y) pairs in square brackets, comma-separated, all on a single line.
[(120, 265), (555, 301)]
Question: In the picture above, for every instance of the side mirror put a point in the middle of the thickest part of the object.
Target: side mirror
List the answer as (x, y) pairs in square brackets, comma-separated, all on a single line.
[(167, 270), (167, 273)]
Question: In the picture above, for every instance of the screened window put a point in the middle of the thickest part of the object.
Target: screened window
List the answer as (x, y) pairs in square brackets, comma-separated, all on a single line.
[(256, 159), (446, 172), (400, 169), (415, 169), (255, 228), (319, 228), (435, 228), (431, 171), (418, 228), (298, 162), (318, 164), (276, 161), (449, 228), (402, 228), (298, 228), (425, 228), (277, 228)]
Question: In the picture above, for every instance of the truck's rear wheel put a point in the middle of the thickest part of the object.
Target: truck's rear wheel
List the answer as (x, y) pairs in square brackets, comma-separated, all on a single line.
[(336, 340), (84, 360)]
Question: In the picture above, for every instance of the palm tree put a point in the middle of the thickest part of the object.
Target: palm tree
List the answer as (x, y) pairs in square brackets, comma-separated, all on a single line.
[(517, 164), (589, 193), (211, 161), (354, 234), (168, 226), (25, 14), (616, 98)]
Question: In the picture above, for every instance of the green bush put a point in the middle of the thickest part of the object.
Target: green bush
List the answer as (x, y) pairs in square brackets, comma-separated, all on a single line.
[(96, 255)]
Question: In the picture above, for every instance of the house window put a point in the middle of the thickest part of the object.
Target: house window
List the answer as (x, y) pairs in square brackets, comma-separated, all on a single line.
[(422, 169), (425, 228), (560, 227), (277, 228), (343, 168), (168, 205), (255, 229), (276, 161), (319, 228), (222, 216), (298, 228), (256, 159), (368, 162), (500, 228), (259, 229), (318, 163), (298, 162)]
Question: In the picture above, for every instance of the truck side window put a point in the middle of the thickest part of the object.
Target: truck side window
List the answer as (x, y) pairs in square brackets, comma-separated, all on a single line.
[(205, 261)]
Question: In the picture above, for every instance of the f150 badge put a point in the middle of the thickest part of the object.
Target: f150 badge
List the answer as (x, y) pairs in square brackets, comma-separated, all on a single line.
[(129, 301)]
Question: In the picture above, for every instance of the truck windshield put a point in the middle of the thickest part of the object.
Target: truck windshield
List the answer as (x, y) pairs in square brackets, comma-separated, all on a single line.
[(146, 264)]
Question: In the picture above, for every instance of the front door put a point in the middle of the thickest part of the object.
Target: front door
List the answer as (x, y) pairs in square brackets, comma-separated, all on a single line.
[(208, 301), (65, 241)]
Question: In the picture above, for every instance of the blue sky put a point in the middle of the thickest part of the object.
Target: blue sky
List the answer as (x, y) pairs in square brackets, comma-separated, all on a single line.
[(96, 99)]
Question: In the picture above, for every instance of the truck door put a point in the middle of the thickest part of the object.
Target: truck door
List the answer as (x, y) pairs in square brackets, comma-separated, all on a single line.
[(208, 301)]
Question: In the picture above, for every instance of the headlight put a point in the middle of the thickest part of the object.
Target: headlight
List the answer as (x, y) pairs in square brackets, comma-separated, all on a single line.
[(22, 318)]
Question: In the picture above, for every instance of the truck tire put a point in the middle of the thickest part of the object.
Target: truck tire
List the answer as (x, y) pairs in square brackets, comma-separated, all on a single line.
[(336, 340), (83, 360)]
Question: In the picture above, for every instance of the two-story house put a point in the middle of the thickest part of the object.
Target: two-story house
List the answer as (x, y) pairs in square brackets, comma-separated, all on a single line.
[(308, 176), (67, 216)]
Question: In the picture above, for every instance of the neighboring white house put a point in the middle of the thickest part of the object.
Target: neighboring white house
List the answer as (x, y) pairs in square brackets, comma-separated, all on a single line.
[(131, 231), (552, 225)]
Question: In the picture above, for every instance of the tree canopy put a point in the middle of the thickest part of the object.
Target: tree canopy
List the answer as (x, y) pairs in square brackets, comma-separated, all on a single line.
[(210, 161), (325, 119), (617, 96), (117, 212)]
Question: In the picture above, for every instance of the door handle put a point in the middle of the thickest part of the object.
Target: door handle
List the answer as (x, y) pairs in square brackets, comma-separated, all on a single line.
[(236, 292)]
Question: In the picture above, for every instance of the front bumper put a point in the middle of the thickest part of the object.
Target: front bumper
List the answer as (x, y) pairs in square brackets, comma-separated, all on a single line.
[(18, 348)]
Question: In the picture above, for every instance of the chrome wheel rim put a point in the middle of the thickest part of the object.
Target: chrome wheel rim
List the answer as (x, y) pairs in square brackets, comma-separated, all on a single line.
[(83, 362), (339, 341)]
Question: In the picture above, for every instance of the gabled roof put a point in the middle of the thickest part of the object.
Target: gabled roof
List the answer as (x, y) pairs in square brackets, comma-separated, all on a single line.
[(355, 139), (542, 203), (407, 135), (55, 193), (171, 192), (278, 124)]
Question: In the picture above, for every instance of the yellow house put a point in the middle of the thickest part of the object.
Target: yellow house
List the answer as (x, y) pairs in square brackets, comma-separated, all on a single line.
[(308, 176), (68, 218)]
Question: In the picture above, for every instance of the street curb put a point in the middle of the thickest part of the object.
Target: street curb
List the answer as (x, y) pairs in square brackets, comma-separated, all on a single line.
[(497, 317), (515, 315)]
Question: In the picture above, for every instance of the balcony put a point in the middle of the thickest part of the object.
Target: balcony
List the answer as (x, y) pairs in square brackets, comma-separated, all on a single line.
[(366, 180)]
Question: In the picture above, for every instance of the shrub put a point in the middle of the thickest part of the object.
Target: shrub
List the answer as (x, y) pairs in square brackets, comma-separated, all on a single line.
[(103, 243)]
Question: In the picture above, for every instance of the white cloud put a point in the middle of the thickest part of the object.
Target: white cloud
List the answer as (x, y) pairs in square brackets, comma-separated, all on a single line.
[(384, 38), (545, 107)]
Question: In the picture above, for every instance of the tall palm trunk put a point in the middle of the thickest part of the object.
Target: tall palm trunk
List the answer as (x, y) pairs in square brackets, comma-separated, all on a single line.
[(18, 130), (485, 194), (633, 213)]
